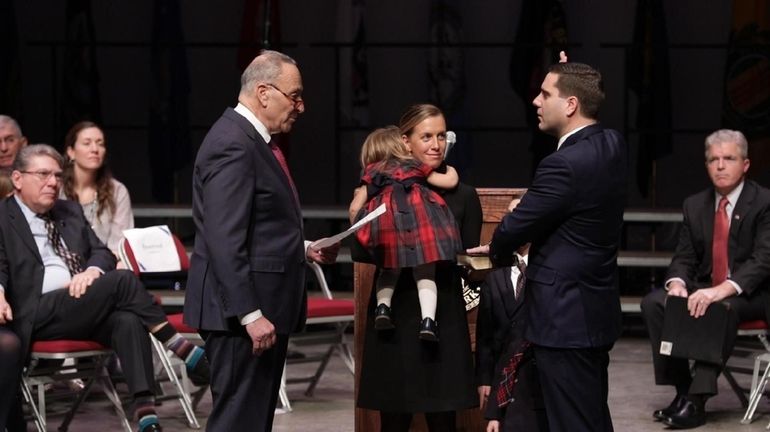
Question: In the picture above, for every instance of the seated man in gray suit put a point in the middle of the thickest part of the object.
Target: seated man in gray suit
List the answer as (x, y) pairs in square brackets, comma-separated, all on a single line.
[(723, 255), (59, 282)]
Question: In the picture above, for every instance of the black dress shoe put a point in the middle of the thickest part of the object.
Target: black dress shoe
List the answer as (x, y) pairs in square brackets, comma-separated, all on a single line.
[(671, 409), (691, 415), (382, 320), (429, 330)]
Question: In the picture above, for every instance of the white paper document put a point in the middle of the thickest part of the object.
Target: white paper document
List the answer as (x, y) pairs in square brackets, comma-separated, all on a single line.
[(328, 241)]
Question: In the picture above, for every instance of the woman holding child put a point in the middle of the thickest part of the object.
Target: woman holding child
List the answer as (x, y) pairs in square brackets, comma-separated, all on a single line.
[(402, 372)]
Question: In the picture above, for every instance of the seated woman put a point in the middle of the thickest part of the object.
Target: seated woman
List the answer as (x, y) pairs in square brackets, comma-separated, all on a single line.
[(87, 179)]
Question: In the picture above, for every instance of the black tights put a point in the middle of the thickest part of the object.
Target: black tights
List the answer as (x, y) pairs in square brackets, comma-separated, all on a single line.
[(10, 373), (443, 421)]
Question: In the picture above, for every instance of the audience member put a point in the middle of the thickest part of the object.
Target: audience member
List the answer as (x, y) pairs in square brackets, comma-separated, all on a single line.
[(11, 140), (572, 214), (723, 255), (246, 289), (50, 301), (87, 179), (400, 374)]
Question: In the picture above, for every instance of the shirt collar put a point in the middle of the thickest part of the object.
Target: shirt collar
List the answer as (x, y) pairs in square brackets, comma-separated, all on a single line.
[(732, 197), (569, 134), (261, 129), (26, 211)]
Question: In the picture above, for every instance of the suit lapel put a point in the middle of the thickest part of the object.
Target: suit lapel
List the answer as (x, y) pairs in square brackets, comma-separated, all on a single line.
[(742, 208), (266, 154), (20, 225), (508, 297), (708, 211)]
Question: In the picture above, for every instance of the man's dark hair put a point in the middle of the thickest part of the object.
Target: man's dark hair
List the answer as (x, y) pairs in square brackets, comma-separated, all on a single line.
[(583, 82)]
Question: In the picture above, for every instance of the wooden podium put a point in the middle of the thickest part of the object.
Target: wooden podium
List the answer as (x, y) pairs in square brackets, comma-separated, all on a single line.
[(494, 204)]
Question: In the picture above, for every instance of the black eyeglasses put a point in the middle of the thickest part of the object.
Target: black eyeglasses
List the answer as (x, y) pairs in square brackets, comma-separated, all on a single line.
[(45, 175), (295, 99)]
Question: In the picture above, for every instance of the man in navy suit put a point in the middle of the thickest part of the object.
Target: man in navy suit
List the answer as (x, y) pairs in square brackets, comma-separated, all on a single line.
[(572, 214), (245, 288), (695, 271)]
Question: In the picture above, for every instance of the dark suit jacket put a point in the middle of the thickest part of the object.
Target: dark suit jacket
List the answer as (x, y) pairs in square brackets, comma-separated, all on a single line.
[(572, 213), (499, 315), (249, 249), (748, 243), (499, 334), (21, 267)]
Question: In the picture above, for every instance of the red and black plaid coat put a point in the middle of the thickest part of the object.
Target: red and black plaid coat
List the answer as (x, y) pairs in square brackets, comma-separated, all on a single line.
[(417, 228)]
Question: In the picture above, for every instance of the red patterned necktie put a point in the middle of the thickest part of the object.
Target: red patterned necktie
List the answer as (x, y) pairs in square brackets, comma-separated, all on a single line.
[(73, 261), (719, 244), (285, 167), (522, 266)]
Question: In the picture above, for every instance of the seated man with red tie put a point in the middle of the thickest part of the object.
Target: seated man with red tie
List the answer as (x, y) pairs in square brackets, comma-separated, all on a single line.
[(59, 282), (723, 255)]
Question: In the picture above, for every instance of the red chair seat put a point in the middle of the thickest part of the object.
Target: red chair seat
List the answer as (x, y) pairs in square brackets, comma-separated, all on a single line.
[(176, 321), (753, 325), (321, 307), (65, 346)]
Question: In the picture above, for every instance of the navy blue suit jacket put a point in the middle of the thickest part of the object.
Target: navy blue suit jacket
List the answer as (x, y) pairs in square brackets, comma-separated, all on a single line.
[(249, 248), (572, 214)]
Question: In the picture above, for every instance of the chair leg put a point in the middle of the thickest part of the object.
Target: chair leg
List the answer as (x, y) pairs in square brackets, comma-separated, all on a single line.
[(736, 387), (757, 387), (79, 400), (182, 394), (112, 394), (321, 367), (26, 391), (282, 396)]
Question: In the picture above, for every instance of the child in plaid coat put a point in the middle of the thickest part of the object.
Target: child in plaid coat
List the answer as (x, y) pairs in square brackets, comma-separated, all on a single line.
[(417, 229)]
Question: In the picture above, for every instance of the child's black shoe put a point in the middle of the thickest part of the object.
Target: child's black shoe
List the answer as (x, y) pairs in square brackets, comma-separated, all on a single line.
[(429, 330), (382, 320)]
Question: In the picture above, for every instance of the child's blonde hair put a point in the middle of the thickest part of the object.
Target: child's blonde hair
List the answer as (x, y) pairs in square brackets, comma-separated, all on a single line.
[(383, 144)]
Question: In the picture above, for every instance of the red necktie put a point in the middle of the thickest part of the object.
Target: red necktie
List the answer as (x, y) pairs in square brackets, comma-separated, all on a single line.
[(285, 167), (719, 244)]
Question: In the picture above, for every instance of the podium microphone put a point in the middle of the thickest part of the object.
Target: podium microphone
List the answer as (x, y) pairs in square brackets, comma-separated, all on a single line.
[(451, 139)]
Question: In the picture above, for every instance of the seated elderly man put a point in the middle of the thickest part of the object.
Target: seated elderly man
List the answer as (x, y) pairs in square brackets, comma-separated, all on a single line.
[(11, 140), (58, 281), (723, 255)]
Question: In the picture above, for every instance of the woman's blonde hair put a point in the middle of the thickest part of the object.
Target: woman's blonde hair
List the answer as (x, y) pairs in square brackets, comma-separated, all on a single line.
[(383, 144)]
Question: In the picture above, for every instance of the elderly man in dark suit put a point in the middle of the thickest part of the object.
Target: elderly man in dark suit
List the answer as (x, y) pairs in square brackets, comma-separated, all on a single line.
[(246, 289), (723, 255), (572, 214), (57, 281)]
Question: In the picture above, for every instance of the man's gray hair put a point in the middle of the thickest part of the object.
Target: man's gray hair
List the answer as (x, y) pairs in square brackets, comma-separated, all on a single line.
[(266, 68), (26, 154), (8, 120), (723, 136)]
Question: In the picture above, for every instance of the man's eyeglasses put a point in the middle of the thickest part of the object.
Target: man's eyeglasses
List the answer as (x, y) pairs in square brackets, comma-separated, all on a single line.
[(295, 99), (46, 175)]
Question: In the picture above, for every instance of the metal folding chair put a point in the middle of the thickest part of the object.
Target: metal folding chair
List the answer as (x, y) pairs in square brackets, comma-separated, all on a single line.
[(34, 379), (759, 329), (324, 310)]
